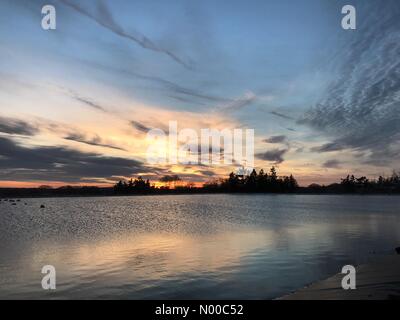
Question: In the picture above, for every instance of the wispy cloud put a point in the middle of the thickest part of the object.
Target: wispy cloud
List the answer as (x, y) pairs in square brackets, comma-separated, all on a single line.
[(177, 89), (360, 108), (281, 115), (89, 103), (238, 103), (173, 89), (140, 126), (82, 99), (94, 141), (329, 147), (104, 18)]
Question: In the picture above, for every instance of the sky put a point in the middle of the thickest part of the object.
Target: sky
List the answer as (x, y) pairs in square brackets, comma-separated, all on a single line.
[(77, 102)]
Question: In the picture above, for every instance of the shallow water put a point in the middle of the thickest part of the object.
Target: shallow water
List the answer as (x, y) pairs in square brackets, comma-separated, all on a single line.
[(189, 246)]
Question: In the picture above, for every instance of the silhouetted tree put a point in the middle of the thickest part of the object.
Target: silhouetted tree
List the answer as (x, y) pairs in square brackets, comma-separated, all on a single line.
[(133, 186), (351, 184), (260, 182)]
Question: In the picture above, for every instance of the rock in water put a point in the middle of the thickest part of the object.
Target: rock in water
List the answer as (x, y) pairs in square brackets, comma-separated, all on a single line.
[(42, 206)]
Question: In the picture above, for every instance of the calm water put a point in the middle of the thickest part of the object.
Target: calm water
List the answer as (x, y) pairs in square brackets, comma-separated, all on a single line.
[(188, 247)]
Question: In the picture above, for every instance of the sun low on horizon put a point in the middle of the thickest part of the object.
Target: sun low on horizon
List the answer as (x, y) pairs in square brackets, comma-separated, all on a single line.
[(199, 158), (78, 101)]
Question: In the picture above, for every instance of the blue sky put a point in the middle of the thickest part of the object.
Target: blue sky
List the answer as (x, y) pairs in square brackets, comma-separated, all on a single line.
[(282, 68)]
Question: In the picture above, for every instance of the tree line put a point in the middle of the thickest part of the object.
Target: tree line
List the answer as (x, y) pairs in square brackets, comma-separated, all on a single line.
[(139, 185), (236, 182), (256, 182), (265, 182), (391, 184), (361, 185)]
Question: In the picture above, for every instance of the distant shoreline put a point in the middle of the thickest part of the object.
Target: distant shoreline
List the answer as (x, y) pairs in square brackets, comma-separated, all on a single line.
[(236, 183), (13, 193)]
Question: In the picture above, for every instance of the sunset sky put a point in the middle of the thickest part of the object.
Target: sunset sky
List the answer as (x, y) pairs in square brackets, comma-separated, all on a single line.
[(76, 102)]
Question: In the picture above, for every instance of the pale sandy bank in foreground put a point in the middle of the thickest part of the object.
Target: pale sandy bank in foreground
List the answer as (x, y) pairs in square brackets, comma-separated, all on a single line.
[(379, 280)]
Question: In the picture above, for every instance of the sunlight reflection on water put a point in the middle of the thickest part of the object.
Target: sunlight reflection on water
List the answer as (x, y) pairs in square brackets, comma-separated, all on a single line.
[(182, 247)]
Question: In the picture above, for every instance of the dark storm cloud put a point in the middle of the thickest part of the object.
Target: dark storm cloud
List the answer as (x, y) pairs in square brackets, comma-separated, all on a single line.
[(15, 126), (95, 141), (104, 18), (334, 164), (275, 155), (59, 163), (360, 108), (275, 139)]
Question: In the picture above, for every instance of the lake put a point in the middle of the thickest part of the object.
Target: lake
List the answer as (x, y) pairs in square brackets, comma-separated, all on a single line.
[(189, 246)]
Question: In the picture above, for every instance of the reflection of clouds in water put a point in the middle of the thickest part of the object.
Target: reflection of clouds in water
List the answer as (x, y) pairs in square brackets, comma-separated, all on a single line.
[(152, 256), (222, 246)]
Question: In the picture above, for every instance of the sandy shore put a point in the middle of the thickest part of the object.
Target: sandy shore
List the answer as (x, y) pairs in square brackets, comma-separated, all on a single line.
[(379, 280)]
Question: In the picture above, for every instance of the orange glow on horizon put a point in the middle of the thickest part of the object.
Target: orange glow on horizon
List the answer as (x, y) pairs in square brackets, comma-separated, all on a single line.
[(53, 184), (58, 184)]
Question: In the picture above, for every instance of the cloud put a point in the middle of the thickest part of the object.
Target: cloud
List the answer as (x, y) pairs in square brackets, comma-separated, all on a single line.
[(275, 139), (85, 100), (20, 163), (15, 126), (104, 18), (207, 173), (334, 164), (90, 103), (181, 99), (360, 107), (177, 89), (95, 141), (174, 90), (281, 115), (275, 155), (170, 178), (139, 126), (329, 147), (239, 103)]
